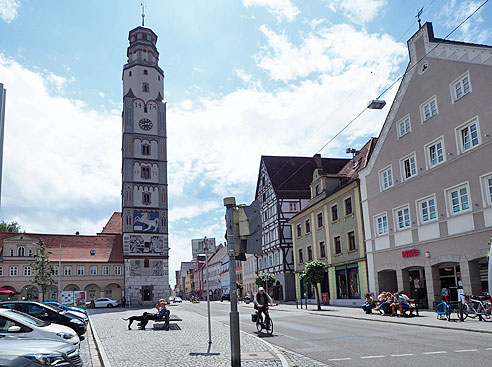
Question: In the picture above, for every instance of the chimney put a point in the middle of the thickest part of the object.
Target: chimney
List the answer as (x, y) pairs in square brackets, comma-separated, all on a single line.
[(317, 160)]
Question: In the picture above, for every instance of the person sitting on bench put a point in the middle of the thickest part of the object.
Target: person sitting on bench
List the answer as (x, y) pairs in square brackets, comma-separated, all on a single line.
[(147, 316)]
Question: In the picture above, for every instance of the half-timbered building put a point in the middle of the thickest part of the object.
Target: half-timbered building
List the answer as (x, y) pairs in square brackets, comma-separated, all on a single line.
[(283, 190)]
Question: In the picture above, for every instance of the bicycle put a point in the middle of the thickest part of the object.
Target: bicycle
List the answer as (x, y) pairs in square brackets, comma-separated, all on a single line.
[(267, 324), (478, 306), (445, 309)]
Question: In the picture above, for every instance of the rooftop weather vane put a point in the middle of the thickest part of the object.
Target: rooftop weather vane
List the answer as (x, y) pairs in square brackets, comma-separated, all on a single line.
[(143, 14), (419, 13)]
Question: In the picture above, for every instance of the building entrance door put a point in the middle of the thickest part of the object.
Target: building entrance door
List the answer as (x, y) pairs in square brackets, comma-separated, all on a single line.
[(450, 275)]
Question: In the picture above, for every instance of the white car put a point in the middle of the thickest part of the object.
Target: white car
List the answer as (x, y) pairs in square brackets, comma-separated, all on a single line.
[(18, 325), (103, 302)]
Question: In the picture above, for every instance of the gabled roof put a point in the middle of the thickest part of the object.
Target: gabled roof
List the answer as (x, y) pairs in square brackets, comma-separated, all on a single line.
[(218, 255), (359, 161), (114, 225), (291, 176), (435, 48)]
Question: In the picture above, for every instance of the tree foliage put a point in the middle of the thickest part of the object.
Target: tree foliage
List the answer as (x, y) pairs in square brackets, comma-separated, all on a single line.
[(314, 273), (42, 269), (12, 227), (260, 280)]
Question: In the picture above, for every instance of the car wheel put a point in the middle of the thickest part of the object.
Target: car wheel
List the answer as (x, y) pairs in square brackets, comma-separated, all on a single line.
[(110, 305)]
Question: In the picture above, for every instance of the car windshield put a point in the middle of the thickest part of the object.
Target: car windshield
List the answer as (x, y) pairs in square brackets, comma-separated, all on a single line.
[(54, 308), (28, 319)]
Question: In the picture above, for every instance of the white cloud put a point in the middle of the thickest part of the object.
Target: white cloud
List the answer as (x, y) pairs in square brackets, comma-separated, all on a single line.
[(245, 77), (473, 29), (279, 8), (57, 152), (331, 50), (358, 11), (198, 69), (8, 10)]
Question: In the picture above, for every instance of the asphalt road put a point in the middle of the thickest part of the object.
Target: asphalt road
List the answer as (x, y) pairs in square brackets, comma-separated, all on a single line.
[(347, 342)]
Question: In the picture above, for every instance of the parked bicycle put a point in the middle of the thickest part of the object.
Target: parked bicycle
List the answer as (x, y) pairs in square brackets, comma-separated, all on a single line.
[(478, 306)]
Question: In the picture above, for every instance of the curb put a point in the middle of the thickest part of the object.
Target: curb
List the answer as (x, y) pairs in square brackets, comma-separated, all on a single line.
[(100, 350), (404, 323), (278, 353)]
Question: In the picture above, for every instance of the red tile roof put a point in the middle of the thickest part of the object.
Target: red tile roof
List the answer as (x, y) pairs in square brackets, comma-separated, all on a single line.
[(114, 225), (77, 248)]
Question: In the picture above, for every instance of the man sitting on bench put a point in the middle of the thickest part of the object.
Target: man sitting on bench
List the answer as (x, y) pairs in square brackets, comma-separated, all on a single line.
[(162, 313)]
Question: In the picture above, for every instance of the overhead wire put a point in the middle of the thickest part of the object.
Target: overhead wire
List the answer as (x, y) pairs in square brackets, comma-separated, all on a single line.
[(384, 91)]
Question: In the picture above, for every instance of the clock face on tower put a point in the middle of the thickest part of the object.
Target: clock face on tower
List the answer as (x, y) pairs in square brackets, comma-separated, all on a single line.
[(145, 124)]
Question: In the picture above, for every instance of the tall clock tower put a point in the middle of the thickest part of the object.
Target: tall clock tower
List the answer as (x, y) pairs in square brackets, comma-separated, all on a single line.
[(144, 171)]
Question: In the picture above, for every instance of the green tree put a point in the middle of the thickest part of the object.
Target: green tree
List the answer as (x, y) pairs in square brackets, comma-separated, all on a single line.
[(42, 269), (314, 273), (12, 227), (260, 280)]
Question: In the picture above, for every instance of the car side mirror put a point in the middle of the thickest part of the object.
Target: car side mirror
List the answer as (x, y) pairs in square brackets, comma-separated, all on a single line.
[(14, 329)]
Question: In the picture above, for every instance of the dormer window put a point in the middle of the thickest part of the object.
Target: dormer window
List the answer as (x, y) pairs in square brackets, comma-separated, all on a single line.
[(316, 189), (93, 252)]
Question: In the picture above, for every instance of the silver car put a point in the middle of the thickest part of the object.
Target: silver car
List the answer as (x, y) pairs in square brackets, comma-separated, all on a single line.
[(18, 325), (38, 353)]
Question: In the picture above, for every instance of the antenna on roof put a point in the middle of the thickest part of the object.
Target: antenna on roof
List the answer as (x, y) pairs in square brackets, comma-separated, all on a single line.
[(419, 13), (143, 14)]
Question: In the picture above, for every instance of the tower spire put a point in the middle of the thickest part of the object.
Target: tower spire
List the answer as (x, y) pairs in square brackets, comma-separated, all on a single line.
[(143, 14), (419, 13)]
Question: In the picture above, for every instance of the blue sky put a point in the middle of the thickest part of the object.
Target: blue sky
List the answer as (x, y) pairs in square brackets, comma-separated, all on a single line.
[(243, 78)]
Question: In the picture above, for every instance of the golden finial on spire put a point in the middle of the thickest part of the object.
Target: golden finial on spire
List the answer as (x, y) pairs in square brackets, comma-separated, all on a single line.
[(143, 14)]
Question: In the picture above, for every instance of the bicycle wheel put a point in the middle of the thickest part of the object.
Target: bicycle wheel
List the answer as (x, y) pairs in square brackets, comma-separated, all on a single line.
[(259, 327), (486, 315), (471, 310), (269, 326)]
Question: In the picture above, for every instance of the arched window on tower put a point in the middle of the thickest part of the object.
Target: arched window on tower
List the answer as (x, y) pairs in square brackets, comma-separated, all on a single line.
[(145, 87)]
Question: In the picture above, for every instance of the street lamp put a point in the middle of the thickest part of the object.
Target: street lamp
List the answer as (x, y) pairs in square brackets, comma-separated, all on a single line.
[(376, 104), (205, 247)]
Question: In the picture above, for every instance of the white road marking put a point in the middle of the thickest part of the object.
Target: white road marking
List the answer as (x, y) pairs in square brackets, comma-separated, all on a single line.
[(402, 355), (488, 348), (339, 359), (438, 352), (466, 350), (367, 357)]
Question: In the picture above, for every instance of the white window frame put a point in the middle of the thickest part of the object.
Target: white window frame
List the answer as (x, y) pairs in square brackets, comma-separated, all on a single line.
[(396, 217), (402, 166), (13, 271), (67, 270), (403, 122), (26, 271), (459, 81), (93, 270), (427, 149), (56, 269), (105, 270), (486, 189), (458, 133), (420, 209), (428, 102), (80, 270), (381, 177), (376, 224), (117, 270), (21, 251), (449, 204)]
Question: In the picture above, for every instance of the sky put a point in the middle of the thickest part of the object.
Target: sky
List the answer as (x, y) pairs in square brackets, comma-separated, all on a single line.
[(243, 78)]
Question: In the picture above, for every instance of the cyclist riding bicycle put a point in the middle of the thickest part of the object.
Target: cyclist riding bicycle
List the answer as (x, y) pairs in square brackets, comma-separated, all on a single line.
[(261, 301)]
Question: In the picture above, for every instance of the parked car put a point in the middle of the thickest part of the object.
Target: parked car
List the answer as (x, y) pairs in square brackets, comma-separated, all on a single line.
[(68, 308), (47, 313), (38, 353), (177, 300), (81, 316), (102, 302), (15, 325), (225, 297)]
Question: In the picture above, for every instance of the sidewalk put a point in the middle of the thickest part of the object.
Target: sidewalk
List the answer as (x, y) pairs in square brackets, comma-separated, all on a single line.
[(426, 319), (185, 347)]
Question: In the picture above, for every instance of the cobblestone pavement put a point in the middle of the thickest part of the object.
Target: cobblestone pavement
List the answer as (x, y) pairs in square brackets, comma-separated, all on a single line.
[(88, 351), (185, 347)]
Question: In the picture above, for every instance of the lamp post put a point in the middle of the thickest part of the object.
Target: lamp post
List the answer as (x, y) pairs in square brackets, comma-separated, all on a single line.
[(205, 247), (59, 277)]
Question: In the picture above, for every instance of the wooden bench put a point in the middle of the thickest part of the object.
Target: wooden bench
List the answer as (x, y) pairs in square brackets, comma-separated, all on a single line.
[(167, 324)]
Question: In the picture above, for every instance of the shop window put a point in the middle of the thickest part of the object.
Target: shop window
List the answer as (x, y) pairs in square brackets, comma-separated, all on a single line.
[(347, 282)]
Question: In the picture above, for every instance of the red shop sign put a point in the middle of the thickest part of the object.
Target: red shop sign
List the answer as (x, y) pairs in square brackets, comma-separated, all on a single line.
[(410, 253)]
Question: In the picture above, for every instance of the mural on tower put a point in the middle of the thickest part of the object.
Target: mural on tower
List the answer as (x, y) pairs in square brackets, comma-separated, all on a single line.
[(145, 221)]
